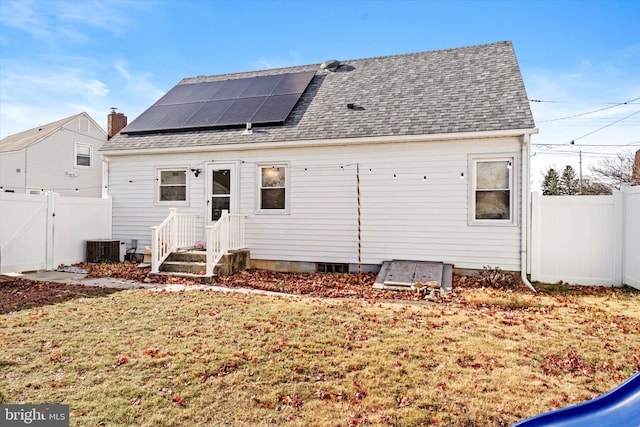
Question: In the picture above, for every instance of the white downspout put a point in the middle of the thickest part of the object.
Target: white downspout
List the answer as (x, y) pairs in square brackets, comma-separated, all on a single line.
[(524, 221)]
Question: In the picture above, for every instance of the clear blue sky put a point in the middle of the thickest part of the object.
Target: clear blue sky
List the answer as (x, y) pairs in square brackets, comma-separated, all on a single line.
[(58, 58)]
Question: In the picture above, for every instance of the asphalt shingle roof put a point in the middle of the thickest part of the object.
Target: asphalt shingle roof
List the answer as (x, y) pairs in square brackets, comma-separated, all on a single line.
[(468, 89), (24, 139)]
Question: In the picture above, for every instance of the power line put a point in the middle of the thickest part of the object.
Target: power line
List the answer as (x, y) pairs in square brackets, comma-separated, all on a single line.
[(590, 112), (580, 121), (574, 153), (575, 102), (585, 145), (604, 127)]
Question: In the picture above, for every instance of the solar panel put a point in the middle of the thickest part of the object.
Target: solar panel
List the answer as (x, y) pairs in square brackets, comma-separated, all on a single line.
[(224, 103), (275, 109), (176, 95), (294, 83), (262, 86), (208, 114), (149, 118), (179, 116), (204, 91), (240, 111), (231, 89)]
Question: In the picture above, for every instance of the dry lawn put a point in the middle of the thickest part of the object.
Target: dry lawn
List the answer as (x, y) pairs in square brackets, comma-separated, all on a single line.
[(485, 357)]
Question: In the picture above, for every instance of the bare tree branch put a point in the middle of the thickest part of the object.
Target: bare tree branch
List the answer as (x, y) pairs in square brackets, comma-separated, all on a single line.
[(615, 172)]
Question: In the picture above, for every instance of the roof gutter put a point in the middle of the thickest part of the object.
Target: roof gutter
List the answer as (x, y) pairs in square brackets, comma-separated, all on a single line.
[(525, 210), (249, 145)]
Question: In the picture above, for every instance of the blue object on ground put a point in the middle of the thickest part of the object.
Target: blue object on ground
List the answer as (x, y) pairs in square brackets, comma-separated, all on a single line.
[(618, 408)]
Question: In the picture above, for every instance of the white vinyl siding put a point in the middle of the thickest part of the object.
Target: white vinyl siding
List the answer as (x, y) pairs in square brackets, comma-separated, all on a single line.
[(13, 168), (409, 217), (83, 124)]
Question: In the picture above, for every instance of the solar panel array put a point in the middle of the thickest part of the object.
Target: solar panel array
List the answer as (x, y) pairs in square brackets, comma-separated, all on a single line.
[(226, 103)]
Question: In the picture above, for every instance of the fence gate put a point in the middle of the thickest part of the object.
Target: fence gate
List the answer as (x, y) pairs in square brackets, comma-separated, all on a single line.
[(39, 232), (24, 232)]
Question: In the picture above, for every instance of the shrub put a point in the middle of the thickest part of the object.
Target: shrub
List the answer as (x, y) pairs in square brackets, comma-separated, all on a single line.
[(494, 277)]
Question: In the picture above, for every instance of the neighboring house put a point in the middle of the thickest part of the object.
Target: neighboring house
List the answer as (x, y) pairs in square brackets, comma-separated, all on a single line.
[(421, 156), (61, 157)]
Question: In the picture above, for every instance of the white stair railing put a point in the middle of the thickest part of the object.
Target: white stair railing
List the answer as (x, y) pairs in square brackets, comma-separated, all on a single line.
[(225, 235), (178, 230)]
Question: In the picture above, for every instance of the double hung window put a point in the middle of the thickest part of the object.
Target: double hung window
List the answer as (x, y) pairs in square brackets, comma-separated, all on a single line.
[(273, 192), (83, 155), (493, 190), (172, 185)]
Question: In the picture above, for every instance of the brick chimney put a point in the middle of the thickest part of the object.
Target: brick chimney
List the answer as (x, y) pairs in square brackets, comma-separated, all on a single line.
[(115, 122), (635, 173)]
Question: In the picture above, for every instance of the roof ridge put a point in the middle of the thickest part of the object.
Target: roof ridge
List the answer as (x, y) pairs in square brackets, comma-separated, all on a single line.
[(50, 127), (204, 76), (188, 80), (508, 42), (63, 121)]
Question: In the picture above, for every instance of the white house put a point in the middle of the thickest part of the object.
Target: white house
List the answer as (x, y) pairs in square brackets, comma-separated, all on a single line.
[(421, 156), (60, 157)]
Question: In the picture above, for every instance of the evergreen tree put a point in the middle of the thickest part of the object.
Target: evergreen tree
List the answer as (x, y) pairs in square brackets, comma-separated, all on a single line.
[(551, 183), (569, 183)]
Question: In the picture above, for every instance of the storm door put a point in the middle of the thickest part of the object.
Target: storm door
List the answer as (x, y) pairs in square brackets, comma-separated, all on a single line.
[(221, 189)]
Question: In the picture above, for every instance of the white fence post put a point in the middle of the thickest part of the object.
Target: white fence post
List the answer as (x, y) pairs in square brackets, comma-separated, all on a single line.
[(536, 243), (51, 220), (618, 231), (154, 249), (209, 241), (173, 230), (225, 232), (631, 236)]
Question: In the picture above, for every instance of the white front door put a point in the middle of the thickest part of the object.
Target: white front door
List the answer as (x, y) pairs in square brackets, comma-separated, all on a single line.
[(222, 193)]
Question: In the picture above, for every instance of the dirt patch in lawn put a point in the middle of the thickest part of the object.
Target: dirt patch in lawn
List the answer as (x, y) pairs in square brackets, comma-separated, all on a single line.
[(19, 294)]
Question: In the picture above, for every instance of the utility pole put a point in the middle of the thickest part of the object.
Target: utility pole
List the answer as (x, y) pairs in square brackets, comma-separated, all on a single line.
[(580, 171)]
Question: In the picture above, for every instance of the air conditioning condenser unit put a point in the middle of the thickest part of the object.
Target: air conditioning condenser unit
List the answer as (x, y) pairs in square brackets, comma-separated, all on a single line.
[(101, 250)]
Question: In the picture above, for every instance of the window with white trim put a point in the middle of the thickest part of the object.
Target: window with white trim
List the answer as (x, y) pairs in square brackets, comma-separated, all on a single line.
[(83, 154), (493, 190), (172, 185), (273, 194)]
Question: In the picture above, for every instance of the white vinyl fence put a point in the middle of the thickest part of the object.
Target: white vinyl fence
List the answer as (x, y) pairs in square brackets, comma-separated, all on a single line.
[(41, 232), (631, 238), (587, 240)]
